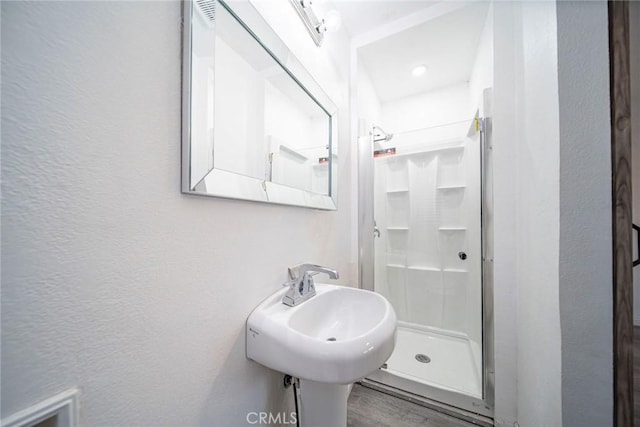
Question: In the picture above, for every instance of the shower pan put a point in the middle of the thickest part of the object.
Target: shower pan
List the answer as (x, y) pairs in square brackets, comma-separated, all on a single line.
[(432, 260)]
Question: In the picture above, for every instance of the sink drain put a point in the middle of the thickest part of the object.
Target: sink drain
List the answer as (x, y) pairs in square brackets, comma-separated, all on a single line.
[(331, 339), (423, 358)]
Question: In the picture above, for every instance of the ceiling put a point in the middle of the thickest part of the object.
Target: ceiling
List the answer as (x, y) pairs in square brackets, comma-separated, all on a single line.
[(361, 16), (446, 45)]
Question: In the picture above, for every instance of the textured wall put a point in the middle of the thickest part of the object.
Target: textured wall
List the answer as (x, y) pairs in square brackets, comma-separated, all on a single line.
[(586, 291), (112, 280), (537, 233), (552, 214)]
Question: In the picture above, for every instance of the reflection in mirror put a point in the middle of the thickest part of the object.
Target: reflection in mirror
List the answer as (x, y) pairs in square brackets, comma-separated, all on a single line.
[(255, 131)]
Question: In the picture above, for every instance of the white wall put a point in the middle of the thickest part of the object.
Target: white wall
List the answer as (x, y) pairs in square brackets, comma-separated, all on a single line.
[(369, 107), (482, 70), (552, 214), (112, 280), (539, 368), (507, 74), (586, 275), (526, 180), (438, 107)]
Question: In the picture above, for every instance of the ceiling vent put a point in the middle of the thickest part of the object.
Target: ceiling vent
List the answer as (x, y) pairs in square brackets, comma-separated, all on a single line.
[(207, 8)]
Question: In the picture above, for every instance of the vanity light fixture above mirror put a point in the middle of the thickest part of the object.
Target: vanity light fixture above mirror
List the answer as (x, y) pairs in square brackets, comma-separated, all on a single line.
[(315, 25)]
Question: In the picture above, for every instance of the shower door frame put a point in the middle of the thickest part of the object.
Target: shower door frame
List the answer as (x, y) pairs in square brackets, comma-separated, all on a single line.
[(479, 410)]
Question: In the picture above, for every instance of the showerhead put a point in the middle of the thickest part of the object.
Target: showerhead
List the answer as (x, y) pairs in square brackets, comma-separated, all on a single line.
[(379, 135)]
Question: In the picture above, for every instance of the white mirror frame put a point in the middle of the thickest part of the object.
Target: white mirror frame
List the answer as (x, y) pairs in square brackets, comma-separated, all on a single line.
[(225, 184)]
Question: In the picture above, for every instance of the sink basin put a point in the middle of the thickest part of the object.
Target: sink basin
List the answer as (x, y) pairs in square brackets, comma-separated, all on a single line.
[(338, 336)]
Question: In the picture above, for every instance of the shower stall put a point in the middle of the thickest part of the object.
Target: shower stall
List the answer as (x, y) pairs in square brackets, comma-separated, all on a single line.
[(425, 201), (431, 259)]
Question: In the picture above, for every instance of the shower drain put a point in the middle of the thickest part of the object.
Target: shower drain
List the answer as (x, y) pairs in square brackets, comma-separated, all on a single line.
[(423, 358)]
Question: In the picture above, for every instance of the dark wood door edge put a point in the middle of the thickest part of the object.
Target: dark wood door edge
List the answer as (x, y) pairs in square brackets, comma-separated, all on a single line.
[(622, 231)]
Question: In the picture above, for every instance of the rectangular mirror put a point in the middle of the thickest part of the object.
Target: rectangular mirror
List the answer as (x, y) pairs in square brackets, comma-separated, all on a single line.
[(256, 125)]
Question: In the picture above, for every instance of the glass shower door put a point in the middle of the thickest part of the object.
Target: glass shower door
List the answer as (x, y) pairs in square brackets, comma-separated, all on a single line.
[(428, 261)]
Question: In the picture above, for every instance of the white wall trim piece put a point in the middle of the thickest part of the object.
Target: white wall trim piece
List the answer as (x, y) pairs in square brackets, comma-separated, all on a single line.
[(64, 405)]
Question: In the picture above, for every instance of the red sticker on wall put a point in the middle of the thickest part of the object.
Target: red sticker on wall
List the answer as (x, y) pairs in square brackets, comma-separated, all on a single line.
[(385, 152)]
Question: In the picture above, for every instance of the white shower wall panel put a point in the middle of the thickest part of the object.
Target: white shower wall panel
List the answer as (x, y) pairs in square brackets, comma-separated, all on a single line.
[(473, 234), (423, 212), (397, 288), (398, 212), (428, 214), (397, 178), (451, 172), (425, 296), (450, 206), (451, 242), (455, 284)]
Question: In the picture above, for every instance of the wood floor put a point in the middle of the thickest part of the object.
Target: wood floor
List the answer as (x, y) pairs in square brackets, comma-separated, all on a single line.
[(369, 408)]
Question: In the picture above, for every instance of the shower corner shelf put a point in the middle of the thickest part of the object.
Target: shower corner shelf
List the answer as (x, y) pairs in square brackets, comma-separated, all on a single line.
[(451, 187), (455, 270), (418, 268), (396, 266), (398, 191), (448, 229), (398, 228)]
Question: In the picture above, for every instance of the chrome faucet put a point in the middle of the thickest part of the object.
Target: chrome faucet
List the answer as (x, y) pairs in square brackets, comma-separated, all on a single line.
[(300, 282)]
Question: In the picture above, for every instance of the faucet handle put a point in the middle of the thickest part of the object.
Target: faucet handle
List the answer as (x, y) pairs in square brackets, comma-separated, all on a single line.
[(300, 282), (298, 271)]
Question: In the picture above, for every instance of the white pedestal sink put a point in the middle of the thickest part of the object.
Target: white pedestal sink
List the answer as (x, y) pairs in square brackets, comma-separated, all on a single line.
[(335, 338), (323, 404)]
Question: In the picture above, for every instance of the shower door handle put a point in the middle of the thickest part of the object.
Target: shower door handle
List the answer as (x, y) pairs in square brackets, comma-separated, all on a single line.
[(376, 230)]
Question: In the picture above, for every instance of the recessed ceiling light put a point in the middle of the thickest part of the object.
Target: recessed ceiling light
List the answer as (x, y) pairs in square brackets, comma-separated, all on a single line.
[(418, 71)]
